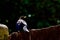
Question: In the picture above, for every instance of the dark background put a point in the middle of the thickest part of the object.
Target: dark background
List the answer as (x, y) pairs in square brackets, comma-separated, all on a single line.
[(43, 13)]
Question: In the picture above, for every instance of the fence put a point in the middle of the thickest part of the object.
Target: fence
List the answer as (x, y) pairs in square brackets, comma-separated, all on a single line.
[(50, 33)]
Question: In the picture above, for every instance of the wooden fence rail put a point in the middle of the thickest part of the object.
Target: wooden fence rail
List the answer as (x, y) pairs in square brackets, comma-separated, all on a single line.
[(50, 33)]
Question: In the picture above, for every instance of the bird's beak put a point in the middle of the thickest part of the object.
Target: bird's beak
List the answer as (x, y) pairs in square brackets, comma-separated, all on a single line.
[(25, 16)]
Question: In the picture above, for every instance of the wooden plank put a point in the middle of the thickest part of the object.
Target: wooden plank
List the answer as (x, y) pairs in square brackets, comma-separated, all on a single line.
[(49, 33)]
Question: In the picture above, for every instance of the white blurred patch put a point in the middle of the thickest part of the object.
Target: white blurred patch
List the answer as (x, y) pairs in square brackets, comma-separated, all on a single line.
[(3, 26), (29, 15)]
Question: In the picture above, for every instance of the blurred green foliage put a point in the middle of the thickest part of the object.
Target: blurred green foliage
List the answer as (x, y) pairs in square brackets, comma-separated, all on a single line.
[(48, 10)]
